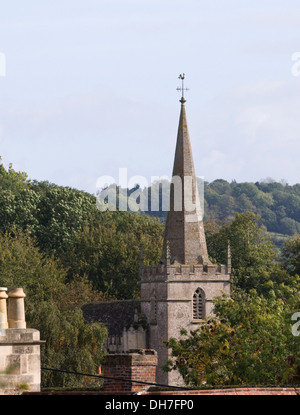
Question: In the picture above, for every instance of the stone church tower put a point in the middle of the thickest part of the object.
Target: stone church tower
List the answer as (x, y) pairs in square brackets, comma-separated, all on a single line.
[(178, 293)]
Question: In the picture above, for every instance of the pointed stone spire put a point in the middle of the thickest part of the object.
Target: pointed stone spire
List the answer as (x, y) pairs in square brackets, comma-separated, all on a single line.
[(184, 227)]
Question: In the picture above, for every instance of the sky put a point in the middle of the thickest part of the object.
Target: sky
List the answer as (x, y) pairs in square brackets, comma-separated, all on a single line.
[(89, 87)]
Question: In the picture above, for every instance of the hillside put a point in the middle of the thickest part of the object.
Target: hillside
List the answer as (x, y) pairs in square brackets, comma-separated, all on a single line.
[(278, 204), (51, 209)]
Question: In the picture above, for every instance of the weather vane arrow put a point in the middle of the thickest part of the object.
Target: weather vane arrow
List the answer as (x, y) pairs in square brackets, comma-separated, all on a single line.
[(182, 88)]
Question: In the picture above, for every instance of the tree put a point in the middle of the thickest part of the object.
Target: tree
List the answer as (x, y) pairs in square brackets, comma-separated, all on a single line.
[(250, 342), (108, 252), (252, 251), (290, 255), (244, 203), (17, 200), (60, 212), (71, 344), (247, 189), (221, 186), (50, 308), (49, 212), (289, 226)]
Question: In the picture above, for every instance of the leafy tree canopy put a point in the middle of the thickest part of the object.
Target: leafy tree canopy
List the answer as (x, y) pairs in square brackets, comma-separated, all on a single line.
[(52, 307), (290, 255), (250, 342), (250, 339)]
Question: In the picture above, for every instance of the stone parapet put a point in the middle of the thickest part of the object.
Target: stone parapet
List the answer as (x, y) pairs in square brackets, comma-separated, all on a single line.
[(131, 338), (165, 273)]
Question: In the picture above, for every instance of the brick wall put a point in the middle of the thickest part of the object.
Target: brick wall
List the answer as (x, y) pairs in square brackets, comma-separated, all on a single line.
[(139, 365)]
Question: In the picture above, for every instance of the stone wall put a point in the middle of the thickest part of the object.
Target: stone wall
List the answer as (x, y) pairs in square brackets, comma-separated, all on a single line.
[(131, 338), (167, 301)]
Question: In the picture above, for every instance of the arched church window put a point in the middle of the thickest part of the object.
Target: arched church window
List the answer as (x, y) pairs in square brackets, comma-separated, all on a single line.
[(198, 304)]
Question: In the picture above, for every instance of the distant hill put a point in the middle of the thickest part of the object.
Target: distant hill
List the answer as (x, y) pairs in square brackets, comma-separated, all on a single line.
[(278, 204), (51, 211)]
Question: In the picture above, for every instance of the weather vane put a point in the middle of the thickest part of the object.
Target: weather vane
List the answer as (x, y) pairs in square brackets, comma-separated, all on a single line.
[(182, 88)]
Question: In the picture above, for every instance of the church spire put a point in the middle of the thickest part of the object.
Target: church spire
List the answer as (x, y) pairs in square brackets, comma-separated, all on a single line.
[(184, 234)]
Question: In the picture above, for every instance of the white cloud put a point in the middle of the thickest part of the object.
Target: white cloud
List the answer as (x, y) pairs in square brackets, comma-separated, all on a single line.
[(253, 133)]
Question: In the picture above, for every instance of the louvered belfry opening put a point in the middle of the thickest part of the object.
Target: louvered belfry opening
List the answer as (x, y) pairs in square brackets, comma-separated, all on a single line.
[(198, 305)]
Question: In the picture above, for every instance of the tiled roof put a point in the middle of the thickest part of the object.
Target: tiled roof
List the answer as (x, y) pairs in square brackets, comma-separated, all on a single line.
[(114, 314)]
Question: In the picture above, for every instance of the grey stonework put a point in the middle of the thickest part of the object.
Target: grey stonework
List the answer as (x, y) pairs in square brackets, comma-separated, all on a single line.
[(20, 361), (184, 227), (170, 289)]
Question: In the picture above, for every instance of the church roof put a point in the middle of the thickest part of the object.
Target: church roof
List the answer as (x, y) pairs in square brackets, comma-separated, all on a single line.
[(114, 314)]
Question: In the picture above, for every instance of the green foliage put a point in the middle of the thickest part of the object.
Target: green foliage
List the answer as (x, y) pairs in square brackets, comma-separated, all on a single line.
[(53, 308), (290, 255), (254, 260), (23, 265), (56, 244), (18, 200), (101, 246), (60, 212), (252, 251), (51, 213), (250, 342), (109, 252), (71, 345), (278, 204)]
